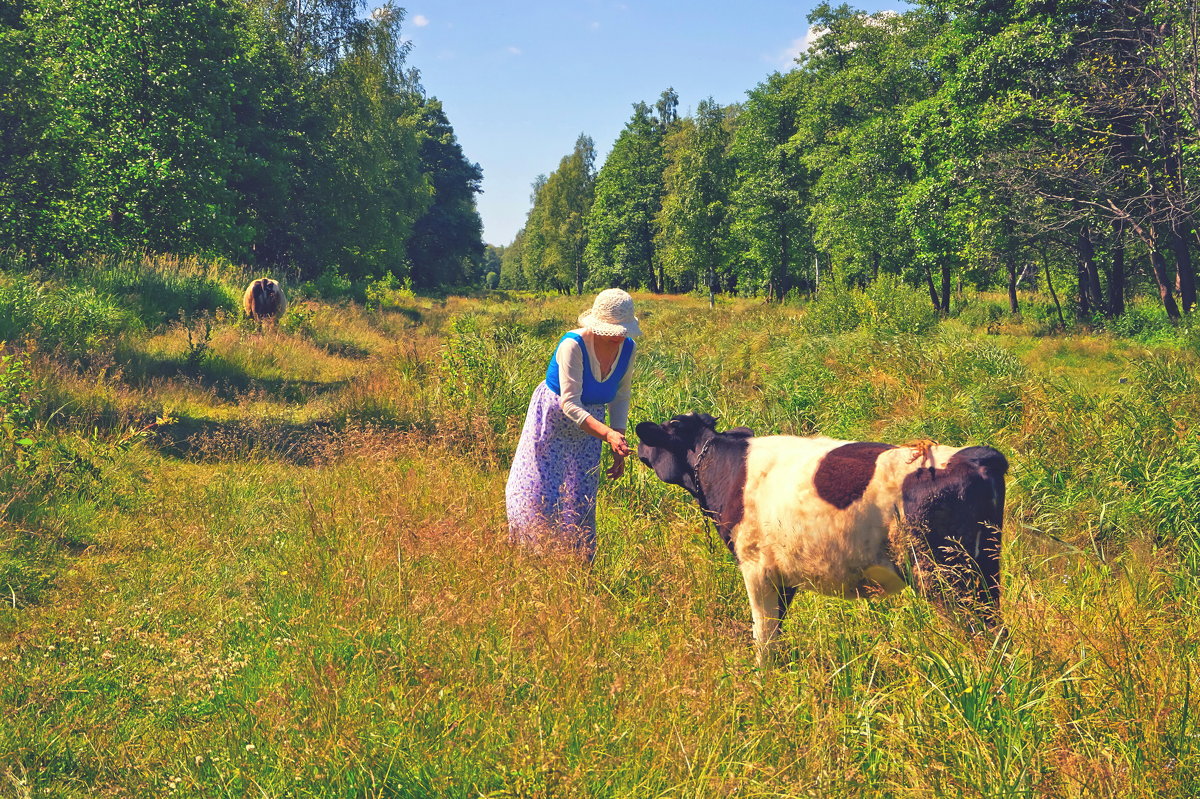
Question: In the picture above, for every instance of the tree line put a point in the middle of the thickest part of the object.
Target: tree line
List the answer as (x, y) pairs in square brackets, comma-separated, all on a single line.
[(1049, 145), (279, 133)]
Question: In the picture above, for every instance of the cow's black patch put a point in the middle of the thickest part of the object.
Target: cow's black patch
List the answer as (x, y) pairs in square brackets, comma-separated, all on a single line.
[(845, 472), (722, 476), (959, 510), (687, 451)]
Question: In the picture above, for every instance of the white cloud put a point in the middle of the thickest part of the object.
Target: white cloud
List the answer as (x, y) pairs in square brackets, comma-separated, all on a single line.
[(420, 20), (513, 50), (797, 48), (802, 45), (594, 26)]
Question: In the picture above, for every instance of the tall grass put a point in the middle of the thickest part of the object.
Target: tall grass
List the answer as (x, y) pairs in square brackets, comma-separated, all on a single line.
[(245, 620)]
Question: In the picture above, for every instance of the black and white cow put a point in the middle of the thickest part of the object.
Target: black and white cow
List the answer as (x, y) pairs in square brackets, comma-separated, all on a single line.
[(839, 517)]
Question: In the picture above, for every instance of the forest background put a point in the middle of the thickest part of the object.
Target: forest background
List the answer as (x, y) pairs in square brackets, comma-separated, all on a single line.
[(989, 146)]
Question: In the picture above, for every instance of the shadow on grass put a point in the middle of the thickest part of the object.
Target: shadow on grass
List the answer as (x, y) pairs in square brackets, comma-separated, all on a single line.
[(200, 439), (229, 380)]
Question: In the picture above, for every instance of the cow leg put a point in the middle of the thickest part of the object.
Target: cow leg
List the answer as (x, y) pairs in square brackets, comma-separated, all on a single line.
[(766, 607)]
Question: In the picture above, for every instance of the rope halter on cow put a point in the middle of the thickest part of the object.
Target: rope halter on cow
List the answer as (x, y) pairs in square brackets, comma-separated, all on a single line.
[(709, 514)]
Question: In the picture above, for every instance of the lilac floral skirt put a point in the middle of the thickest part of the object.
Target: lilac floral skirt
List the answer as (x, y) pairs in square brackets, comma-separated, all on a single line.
[(551, 491)]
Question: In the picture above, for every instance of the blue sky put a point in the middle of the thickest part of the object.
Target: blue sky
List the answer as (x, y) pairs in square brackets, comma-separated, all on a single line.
[(520, 81)]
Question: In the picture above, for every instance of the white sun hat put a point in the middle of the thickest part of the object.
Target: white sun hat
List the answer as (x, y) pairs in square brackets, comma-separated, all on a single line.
[(611, 315)]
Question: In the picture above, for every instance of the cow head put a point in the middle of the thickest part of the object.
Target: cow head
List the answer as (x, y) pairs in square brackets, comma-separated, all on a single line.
[(671, 448), (665, 447)]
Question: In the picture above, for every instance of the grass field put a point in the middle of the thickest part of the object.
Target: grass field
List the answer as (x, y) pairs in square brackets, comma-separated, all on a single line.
[(298, 584)]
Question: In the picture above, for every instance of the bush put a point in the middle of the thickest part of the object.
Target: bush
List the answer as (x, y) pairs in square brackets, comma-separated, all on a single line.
[(388, 291), (834, 310), (77, 320), (890, 307), (980, 313), (331, 285), (1143, 322)]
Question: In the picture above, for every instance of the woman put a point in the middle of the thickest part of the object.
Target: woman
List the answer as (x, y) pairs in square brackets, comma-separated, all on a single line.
[(551, 492)]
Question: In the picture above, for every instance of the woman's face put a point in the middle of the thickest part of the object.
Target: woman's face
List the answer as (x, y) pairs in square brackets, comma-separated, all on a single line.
[(609, 339)]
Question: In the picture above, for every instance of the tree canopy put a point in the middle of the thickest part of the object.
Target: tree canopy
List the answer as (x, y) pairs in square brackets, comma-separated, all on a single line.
[(281, 134), (953, 144)]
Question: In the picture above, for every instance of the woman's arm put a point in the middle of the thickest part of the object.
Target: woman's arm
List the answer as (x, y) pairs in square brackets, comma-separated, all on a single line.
[(615, 438)]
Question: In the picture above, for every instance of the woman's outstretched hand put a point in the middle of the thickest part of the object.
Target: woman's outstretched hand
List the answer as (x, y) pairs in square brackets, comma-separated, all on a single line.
[(616, 440), (618, 467)]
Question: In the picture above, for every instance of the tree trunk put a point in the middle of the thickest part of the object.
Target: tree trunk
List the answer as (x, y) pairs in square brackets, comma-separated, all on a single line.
[(933, 297), (1116, 278), (1185, 275), (1091, 270), (1012, 287), (945, 307), (1085, 269), (1050, 285), (1159, 265)]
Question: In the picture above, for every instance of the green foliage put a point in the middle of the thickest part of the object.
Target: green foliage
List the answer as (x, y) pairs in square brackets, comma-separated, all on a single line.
[(331, 284), (694, 219), (272, 133), (979, 313), (446, 243), (388, 290), (79, 320), (833, 310), (890, 307), (886, 308), (555, 233), (482, 369), (629, 191)]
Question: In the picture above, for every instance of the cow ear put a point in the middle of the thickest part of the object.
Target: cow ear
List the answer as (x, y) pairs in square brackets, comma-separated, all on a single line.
[(707, 421), (652, 434)]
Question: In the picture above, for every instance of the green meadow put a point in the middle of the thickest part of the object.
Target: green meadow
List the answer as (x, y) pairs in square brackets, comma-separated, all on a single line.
[(272, 562)]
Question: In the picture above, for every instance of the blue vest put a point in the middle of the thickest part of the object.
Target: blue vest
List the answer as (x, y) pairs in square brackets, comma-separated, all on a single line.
[(594, 391)]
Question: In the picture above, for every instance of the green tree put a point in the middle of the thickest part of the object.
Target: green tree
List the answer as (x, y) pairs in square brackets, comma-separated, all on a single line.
[(769, 240), (629, 191), (446, 244), (362, 178), (694, 220), (555, 231), (141, 104)]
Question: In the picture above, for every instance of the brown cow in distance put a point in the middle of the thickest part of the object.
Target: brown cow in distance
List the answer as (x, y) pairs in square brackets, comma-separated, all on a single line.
[(264, 299)]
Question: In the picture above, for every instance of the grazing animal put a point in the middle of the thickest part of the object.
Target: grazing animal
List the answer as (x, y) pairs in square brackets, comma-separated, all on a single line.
[(264, 299), (838, 517)]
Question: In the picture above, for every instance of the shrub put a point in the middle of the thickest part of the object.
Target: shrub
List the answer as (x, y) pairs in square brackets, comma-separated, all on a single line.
[(388, 291), (77, 320), (890, 307), (1143, 322), (330, 285), (980, 313), (833, 310)]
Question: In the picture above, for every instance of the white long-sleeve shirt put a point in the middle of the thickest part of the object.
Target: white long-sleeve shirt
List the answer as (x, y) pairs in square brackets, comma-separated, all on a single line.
[(570, 378)]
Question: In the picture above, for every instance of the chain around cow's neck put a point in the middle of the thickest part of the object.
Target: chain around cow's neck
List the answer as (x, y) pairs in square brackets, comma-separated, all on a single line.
[(708, 512)]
